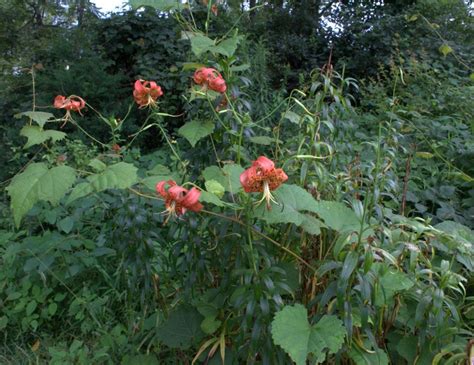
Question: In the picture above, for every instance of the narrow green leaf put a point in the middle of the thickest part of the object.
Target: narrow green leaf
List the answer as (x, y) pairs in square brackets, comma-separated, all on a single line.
[(363, 357), (263, 140), (239, 68)]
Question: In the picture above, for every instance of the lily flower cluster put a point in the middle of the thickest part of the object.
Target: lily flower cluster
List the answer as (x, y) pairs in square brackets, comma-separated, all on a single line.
[(146, 93), (261, 177)]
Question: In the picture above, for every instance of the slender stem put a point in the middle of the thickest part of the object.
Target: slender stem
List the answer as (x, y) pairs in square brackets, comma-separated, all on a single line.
[(238, 20), (139, 130), (218, 160), (87, 133), (33, 84), (216, 114), (241, 134), (251, 253), (279, 245), (165, 135), (242, 125), (238, 221), (206, 24)]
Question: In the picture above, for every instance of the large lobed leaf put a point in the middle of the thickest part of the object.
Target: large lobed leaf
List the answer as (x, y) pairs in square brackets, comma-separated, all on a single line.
[(228, 176), (195, 131), (41, 118), (37, 135), (121, 175), (201, 44), (38, 183), (292, 331), (182, 328), (118, 176), (294, 202)]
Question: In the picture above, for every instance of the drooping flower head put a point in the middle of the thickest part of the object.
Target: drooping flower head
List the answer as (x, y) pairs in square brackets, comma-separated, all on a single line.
[(263, 177), (210, 78), (146, 93), (178, 199), (116, 148), (71, 103), (74, 103)]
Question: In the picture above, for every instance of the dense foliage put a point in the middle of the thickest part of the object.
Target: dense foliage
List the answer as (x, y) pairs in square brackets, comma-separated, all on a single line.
[(232, 182)]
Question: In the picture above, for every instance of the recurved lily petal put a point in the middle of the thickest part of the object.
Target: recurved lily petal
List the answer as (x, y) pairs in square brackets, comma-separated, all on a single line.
[(200, 75), (59, 101), (218, 84), (177, 193), (160, 187), (191, 200), (264, 164)]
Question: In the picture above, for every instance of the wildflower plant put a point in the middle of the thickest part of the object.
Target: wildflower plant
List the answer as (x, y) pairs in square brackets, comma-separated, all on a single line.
[(304, 278)]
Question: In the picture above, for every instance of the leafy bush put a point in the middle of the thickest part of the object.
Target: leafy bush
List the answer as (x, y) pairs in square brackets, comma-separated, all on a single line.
[(290, 231)]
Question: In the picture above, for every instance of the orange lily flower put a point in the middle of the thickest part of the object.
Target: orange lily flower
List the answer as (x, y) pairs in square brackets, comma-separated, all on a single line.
[(178, 199), (210, 78), (146, 93), (263, 177), (74, 103), (71, 103)]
